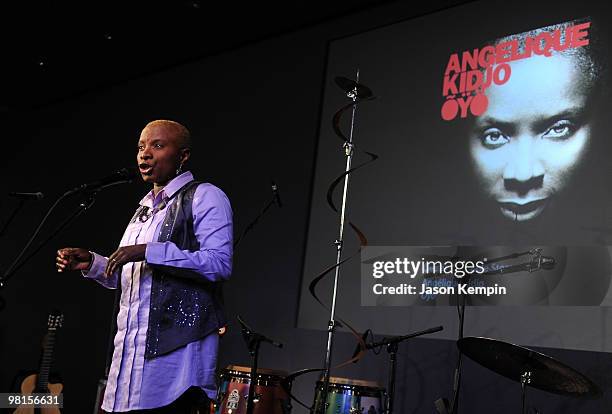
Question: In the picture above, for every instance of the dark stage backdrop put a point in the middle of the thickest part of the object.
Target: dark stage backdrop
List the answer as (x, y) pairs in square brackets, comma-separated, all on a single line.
[(520, 161), (244, 136)]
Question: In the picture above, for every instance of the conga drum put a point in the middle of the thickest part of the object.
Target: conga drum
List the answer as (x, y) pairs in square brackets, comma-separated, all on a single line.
[(269, 397), (350, 396)]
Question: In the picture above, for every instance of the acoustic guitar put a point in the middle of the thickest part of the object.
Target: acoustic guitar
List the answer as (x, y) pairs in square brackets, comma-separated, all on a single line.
[(39, 383)]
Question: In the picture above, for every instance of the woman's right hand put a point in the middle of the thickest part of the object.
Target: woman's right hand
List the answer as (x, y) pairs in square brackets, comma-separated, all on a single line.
[(73, 258)]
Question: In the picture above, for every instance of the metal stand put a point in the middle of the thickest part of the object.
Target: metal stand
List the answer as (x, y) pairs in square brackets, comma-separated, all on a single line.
[(525, 380), (109, 352), (2, 232), (537, 262), (274, 200), (331, 326), (86, 203), (392, 346), (11, 217), (100, 395), (253, 341), (457, 379), (254, 351), (392, 350), (15, 266)]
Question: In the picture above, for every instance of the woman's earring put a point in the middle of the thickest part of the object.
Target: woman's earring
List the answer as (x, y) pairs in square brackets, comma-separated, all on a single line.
[(179, 169)]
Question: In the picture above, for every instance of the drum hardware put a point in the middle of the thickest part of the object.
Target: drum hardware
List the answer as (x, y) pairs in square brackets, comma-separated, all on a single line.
[(528, 367), (253, 340), (353, 89)]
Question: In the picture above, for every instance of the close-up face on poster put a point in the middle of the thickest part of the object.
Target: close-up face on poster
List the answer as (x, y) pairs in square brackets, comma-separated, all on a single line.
[(493, 157)]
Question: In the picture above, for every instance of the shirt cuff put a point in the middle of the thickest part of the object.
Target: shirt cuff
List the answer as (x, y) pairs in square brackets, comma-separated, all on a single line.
[(155, 253), (96, 267)]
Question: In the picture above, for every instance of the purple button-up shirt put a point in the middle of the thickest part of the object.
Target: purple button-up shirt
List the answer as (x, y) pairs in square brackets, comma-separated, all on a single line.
[(133, 382)]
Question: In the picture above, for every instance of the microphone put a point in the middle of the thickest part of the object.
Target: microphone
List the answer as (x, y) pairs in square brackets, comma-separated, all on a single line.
[(27, 196), (537, 263), (270, 341), (124, 175), (547, 263), (364, 336), (276, 194), (540, 262)]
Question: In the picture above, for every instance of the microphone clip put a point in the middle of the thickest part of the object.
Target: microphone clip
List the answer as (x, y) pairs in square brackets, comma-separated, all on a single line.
[(253, 339), (540, 261), (536, 259)]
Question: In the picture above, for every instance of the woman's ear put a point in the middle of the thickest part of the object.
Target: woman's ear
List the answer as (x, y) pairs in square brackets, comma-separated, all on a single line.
[(185, 154)]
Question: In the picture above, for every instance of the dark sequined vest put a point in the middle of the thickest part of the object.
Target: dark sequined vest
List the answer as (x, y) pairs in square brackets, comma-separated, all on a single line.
[(185, 307)]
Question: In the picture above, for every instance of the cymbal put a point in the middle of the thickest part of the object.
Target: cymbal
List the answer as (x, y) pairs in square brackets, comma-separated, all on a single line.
[(512, 361), (348, 85)]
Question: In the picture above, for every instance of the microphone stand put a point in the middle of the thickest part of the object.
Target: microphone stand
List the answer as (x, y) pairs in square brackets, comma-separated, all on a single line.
[(109, 352), (87, 201), (85, 204), (263, 211), (12, 216), (457, 378), (89, 192), (5, 226), (253, 341), (392, 346)]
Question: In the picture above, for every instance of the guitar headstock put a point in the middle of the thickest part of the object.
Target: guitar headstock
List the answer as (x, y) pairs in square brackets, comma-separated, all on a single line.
[(55, 320)]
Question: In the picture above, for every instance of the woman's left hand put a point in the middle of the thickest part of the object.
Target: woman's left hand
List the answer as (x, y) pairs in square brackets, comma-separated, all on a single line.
[(125, 255)]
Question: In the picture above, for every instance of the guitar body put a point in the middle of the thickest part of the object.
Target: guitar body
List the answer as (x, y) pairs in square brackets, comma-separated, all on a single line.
[(27, 388)]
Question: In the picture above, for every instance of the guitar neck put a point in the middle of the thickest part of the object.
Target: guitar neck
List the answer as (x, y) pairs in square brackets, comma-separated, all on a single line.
[(42, 382)]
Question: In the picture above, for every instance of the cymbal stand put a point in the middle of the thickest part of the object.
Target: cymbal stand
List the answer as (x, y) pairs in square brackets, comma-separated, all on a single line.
[(331, 326), (536, 263), (525, 380)]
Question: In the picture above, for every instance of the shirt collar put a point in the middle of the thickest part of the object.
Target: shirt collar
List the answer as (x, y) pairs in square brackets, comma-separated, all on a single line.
[(170, 189)]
